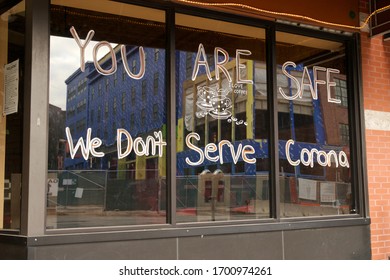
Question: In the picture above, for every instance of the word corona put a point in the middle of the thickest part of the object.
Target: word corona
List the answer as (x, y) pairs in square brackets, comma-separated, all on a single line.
[(307, 157)]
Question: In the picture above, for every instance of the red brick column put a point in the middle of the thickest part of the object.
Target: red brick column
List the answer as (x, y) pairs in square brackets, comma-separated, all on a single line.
[(376, 92)]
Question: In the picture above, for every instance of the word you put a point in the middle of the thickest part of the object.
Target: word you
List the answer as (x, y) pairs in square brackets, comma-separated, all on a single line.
[(106, 44), (323, 158), (210, 148), (306, 81), (141, 147)]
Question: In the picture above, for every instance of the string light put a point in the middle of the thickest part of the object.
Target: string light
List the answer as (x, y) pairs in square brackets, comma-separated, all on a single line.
[(248, 7)]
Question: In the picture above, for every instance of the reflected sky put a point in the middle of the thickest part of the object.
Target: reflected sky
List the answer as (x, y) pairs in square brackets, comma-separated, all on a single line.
[(64, 60)]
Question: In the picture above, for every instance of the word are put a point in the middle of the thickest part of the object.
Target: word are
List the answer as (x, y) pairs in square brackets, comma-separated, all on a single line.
[(201, 60), (113, 68), (306, 81), (244, 152), (323, 158), (141, 147)]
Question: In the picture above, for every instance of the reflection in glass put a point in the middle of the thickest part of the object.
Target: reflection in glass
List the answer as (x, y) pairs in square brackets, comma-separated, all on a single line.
[(12, 46), (108, 122), (313, 126), (222, 133)]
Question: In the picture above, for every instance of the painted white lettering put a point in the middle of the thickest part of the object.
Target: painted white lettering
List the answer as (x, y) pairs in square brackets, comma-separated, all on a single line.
[(240, 66), (220, 145), (248, 150), (195, 148), (88, 147), (201, 60), (142, 61), (288, 144), (304, 161), (211, 147), (140, 147), (81, 45), (323, 158), (221, 57), (102, 71), (219, 65), (129, 146), (308, 83), (335, 159), (137, 143), (113, 68), (150, 144), (295, 80), (316, 80), (160, 143), (343, 159), (235, 155), (96, 143), (331, 84)]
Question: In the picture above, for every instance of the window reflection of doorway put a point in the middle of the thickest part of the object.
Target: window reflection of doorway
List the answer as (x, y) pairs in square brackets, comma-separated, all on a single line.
[(12, 33)]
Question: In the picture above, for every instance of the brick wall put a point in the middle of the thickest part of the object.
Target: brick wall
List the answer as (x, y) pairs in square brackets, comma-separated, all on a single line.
[(376, 91)]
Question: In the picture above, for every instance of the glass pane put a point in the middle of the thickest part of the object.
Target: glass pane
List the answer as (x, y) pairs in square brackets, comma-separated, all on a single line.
[(222, 132), (313, 127), (12, 43), (107, 162)]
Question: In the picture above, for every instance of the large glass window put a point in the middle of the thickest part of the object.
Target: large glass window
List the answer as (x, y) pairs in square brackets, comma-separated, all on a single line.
[(107, 138), (12, 45), (222, 135), (109, 170), (315, 162)]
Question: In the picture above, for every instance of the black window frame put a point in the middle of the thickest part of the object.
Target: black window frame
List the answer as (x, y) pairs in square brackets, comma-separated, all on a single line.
[(355, 111)]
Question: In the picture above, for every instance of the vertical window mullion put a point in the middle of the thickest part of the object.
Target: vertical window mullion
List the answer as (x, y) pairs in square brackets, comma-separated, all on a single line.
[(272, 100), (171, 117), (356, 113)]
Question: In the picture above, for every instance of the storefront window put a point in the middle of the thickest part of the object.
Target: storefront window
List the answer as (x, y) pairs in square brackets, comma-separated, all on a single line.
[(108, 120), (107, 162), (315, 162), (12, 44), (221, 95)]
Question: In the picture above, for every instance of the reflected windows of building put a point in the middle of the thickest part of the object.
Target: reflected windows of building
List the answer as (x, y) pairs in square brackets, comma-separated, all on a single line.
[(133, 96), (156, 55), (115, 79), (102, 180), (216, 82), (222, 120), (314, 160), (114, 106), (155, 83), (155, 112), (144, 90), (123, 102), (344, 134), (341, 91)]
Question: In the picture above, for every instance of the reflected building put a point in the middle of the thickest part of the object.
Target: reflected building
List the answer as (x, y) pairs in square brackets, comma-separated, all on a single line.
[(57, 142), (105, 103)]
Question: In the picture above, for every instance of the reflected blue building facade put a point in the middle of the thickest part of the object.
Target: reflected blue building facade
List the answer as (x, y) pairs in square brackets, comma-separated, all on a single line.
[(105, 103)]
